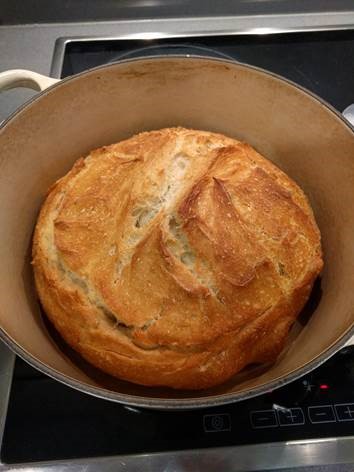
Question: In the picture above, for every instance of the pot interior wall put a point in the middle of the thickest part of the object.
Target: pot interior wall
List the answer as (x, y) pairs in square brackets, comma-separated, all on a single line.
[(301, 135)]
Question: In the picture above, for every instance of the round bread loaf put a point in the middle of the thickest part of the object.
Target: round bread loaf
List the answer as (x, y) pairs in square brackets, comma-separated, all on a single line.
[(175, 258)]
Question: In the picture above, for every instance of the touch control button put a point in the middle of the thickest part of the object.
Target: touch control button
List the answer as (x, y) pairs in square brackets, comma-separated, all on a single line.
[(345, 411), (217, 423), (263, 419), (321, 414), (291, 417)]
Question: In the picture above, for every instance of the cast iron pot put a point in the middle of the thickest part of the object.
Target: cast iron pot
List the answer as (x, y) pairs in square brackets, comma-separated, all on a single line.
[(302, 134)]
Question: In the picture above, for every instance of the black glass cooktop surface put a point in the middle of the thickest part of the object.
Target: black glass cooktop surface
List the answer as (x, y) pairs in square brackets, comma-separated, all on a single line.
[(47, 420)]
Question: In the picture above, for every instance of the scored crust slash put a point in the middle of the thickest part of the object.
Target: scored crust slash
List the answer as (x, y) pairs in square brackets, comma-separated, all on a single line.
[(175, 258)]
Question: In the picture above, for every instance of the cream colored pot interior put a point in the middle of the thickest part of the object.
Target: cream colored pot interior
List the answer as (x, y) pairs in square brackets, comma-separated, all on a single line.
[(301, 135)]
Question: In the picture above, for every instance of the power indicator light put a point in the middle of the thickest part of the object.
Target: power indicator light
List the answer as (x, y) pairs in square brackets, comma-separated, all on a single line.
[(324, 387)]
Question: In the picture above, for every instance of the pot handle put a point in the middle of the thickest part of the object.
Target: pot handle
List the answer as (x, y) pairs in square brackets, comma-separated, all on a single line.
[(350, 342), (348, 113), (25, 78)]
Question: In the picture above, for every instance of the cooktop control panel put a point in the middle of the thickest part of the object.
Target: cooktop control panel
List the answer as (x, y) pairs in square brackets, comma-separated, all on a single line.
[(47, 420)]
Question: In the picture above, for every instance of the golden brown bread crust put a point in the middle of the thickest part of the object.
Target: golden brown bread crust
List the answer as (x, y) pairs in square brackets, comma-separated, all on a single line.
[(175, 257)]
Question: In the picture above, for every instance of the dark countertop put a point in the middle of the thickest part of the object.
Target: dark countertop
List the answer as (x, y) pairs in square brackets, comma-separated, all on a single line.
[(57, 11)]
